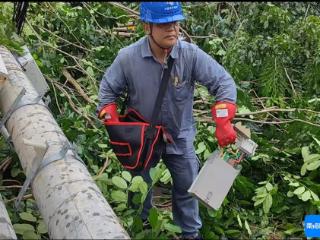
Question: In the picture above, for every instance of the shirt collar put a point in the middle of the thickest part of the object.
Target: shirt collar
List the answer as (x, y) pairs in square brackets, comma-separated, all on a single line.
[(146, 51)]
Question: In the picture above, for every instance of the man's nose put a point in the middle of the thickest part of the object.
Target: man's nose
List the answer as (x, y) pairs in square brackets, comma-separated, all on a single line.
[(171, 25)]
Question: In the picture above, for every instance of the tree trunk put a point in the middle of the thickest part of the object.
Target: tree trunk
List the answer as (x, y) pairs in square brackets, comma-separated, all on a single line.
[(6, 229), (70, 202)]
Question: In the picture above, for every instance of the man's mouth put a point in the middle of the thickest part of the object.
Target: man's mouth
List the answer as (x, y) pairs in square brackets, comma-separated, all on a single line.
[(171, 36)]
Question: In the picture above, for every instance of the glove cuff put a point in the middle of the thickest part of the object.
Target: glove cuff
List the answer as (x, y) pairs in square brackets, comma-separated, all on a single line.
[(222, 111), (110, 108)]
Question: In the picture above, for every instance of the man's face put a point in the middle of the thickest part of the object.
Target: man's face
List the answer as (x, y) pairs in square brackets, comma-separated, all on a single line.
[(165, 34)]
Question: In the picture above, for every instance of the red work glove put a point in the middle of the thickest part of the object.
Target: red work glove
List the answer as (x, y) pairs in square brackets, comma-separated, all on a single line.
[(222, 114), (109, 113)]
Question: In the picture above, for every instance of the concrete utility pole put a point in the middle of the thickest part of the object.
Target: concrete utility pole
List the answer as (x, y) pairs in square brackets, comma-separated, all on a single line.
[(70, 202), (6, 229)]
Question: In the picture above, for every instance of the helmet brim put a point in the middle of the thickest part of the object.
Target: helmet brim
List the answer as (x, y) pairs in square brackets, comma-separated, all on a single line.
[(178, 17)]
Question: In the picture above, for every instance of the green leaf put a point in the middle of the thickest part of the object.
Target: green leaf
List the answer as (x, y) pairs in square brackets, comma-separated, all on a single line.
[(306, 196), (166, 176), (317, 141), (246, 225), (218, 229), (143, 187), (98, 49), (119, 196), (153, 217), (259, 201), (207, 154), (95, 168), (102, 177), (27, 235), (269, 186), (267, 203), (137, 198), (299, 190), (42, 227), (136, 181), (221, 52), (232, 232), (215, 41), (315, 196), (155, 174), (102, 145), (21, 228), (27, 216), (305, 152), (313, 166), (89, 71), (293, 230), (312, 157), (201, 148), (239, 220), (263, 182), (290, 194), (294, 184), (121, 207), (172, 228), (15, 171), (119, 182), (126, 175), (243, 109), (137, 225), (262, 195), (303, 169)]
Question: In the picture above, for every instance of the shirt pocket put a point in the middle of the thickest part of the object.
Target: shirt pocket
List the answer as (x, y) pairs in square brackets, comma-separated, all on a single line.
[(181, 85), (181, 91)]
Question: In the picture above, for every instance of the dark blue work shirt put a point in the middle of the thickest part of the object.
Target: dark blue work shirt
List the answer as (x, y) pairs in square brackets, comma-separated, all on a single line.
[(136, 69)]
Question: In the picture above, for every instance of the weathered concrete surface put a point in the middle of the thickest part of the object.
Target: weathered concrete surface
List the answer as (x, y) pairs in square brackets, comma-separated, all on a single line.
[(6, 229), (70, 202)]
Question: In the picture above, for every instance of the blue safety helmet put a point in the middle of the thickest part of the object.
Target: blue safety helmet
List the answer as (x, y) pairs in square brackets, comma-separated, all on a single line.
[(161, 12)]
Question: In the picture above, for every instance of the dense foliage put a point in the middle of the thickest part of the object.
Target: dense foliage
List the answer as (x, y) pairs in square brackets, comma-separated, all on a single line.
[(272, 51)]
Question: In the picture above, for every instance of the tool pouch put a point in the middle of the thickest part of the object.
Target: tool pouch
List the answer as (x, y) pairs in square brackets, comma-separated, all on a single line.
[(134, 141)]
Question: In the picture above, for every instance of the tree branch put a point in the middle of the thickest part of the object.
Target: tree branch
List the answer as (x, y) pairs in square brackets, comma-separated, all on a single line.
[(72, 105), (27, 196), (76, 85), (65, 40), (129, 10), (209, 120), (266, 110), (291, 84)]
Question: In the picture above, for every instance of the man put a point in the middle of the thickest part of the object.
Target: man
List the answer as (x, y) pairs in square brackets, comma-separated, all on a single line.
[(138, 68)]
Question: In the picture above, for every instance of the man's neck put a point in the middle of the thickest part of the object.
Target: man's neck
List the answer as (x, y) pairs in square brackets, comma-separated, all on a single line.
[(157, 52)]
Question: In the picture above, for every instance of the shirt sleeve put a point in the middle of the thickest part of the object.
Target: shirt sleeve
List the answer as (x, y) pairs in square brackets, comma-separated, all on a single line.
[(112, 84), (208, 72)]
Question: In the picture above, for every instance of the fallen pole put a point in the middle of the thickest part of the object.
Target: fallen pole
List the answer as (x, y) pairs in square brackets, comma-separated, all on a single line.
[(69, 201)]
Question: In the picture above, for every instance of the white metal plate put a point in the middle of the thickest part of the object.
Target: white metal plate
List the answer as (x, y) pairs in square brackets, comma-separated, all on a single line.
[(33, 72), (214, 181)]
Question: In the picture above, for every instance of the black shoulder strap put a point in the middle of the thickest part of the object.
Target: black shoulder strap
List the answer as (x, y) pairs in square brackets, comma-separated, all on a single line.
[(162, 90)]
